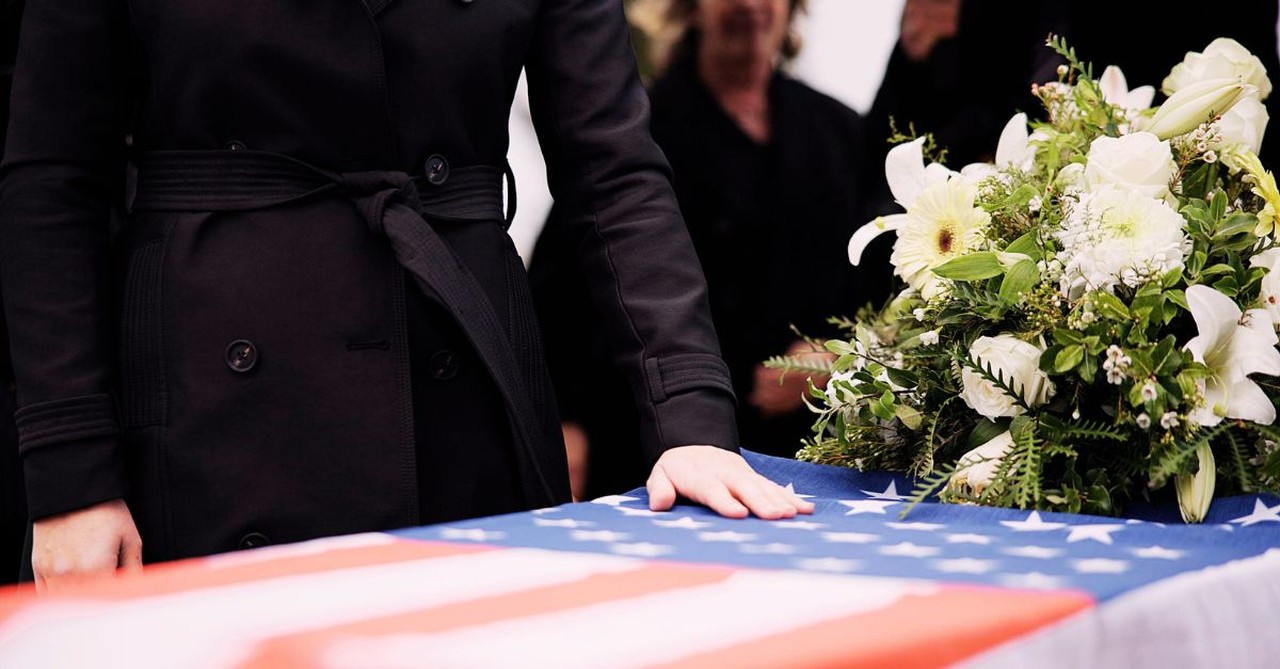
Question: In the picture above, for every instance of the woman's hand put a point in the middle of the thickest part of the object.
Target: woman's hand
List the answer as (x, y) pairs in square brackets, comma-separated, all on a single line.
[(87, 543), (721, 480)]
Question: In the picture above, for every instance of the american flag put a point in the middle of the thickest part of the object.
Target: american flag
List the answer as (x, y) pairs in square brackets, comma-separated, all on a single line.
[(609, 583)]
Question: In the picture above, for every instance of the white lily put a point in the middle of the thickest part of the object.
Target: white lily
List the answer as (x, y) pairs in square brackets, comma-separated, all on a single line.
[(1014, 148), (908, 176), (1232, 345), (1115, 90)]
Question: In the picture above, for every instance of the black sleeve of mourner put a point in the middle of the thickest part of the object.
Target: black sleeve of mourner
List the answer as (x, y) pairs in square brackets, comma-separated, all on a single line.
[(592, 118), (58, 182)]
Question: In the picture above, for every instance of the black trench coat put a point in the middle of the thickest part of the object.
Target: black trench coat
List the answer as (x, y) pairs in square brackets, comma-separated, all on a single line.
[(289, 337)]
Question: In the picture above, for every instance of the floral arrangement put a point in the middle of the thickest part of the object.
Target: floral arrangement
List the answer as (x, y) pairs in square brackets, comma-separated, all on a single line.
[(1087, 320)]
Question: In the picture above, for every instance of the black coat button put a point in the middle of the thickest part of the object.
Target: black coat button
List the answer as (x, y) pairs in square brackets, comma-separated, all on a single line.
[(254, 540), (444, 365), (242, 355), (236, 145), (436, 169)]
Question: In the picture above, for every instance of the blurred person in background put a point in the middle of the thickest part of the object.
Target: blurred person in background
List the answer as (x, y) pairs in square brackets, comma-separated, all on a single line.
[(959, 70), (768, 173), (13, 514)]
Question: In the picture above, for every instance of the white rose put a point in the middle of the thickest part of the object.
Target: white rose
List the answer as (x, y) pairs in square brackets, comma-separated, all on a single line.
[(1012, 359), (1138, 162), (1270, 293), (1242, 127), (1224, 58), (977, 467)]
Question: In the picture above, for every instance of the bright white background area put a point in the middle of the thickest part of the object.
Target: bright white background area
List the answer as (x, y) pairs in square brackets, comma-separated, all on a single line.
[(846, 46)]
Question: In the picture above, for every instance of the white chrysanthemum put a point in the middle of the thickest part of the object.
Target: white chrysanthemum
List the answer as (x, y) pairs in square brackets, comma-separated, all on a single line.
[(941, 224), (1113, 236)]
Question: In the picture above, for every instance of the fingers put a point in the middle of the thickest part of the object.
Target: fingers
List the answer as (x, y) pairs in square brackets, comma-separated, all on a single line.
[(762, 496), (723, 502), (662, 493)]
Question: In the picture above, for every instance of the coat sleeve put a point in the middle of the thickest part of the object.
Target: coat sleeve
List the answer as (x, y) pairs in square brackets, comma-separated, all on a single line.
[(607, 174), (62, 172)]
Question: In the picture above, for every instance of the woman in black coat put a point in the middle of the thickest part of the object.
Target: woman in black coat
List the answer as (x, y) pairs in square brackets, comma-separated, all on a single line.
[(312, 321)]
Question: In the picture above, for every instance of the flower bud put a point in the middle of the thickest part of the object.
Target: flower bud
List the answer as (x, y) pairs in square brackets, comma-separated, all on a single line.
[(1195, 491), (1189, 107)]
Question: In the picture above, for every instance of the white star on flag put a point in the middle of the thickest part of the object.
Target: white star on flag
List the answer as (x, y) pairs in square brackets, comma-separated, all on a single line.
[(566, 522), (1158, 553), (857, 506), (1100, 566), (919, 527), (849, 537), (890, 493), (549, 509), (1261, 514), (1099, 533), (965, 566), (908, 549), (828, 564), (644, 513), (607, 536), (642, 549), (798, 525), (727, 535), (1039, 552), (1034, 580), (685, 523), (768, 549), (980, 539), (792, 489), (614, 500), (473, 534), (1032, 524)]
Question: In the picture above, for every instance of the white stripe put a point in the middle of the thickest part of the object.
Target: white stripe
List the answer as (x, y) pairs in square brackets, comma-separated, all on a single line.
[(638, 631), (219, 626)]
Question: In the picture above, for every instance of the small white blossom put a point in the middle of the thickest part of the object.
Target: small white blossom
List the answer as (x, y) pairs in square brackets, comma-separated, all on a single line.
[(1148, 390), (918, 314), (929, 338), (1210, 157), (1034, 204), (1169, 420), (1143, 420), (1062, 70)]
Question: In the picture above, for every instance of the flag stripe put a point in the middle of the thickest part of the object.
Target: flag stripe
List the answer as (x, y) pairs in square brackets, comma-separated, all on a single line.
[(220, 626), (643, 631), (309, 648), (954, 624)]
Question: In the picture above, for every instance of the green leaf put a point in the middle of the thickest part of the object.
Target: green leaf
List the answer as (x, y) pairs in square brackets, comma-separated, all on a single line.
[(1109, 306), (909, 416), (902, 377), (1019, 279), (1027, 244), (983, 432), (970, 267), (1067, 359)]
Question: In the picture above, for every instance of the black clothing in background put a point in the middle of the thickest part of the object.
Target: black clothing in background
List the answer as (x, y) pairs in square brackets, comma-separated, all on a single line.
[(771, 224), (13, 508), (1146, 39), (966, 89)]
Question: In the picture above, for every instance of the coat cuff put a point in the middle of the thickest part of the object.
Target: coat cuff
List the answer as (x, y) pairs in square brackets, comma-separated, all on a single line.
[(70, 454), (693, 401)]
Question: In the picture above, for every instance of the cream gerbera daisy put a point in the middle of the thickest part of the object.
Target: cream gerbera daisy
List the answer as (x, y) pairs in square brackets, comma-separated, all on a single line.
[(941, 224)]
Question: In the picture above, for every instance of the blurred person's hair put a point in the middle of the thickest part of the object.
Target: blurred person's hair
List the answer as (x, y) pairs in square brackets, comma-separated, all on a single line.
[(668, 28)]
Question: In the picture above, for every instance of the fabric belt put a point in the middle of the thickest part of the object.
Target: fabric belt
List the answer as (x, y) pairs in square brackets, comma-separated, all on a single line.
[(393, 204)]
